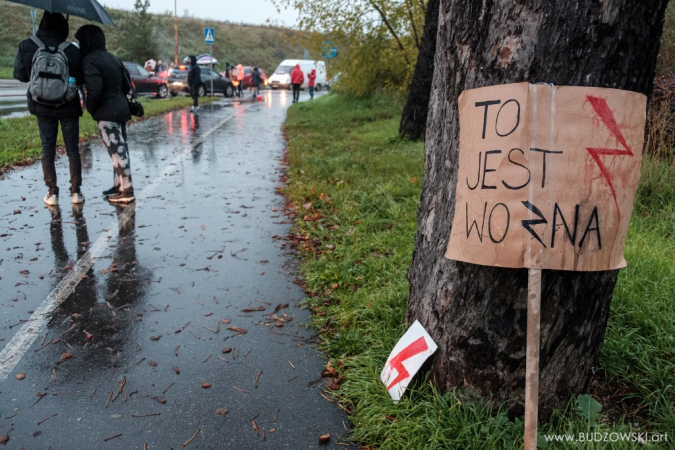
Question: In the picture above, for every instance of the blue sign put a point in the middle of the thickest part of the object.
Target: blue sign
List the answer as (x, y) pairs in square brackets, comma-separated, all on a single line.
[(329, 52), (209, 36)]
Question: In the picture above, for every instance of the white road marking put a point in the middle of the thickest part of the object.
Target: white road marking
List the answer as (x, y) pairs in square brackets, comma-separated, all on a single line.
[(29, 332)]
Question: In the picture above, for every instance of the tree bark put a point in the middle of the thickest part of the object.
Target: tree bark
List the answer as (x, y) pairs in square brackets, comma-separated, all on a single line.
[(414, 117), (477, 314)]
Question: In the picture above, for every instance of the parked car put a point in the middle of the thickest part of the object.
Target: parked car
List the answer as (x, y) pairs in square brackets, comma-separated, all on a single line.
[(144, 83), (177, 82)]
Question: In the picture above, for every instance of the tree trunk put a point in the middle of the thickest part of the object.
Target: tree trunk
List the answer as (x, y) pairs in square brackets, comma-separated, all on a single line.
[(414, 117), (477, 314)]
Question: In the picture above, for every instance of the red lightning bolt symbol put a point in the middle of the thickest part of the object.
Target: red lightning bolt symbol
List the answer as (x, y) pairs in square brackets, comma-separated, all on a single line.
[(607, 116), (396, 362)]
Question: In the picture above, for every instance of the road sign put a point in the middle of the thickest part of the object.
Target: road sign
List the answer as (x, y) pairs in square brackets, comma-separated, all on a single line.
[(329, 51), (209, 36)]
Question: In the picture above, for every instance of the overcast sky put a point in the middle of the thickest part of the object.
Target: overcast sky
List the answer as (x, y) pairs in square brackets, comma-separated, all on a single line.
[(247, 11)]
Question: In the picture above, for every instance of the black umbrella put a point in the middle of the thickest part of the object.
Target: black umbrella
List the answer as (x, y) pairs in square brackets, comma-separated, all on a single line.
[(88, 9)]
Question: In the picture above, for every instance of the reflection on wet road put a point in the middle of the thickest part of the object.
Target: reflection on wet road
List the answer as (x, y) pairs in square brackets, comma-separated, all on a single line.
[(169, 317)]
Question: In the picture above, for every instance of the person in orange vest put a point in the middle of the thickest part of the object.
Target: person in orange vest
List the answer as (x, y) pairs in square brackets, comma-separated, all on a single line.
[(297, 78), (312, 78), (240, 79)]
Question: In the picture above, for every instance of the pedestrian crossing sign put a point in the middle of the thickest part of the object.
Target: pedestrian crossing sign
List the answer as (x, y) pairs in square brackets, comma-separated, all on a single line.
[(208, 36)]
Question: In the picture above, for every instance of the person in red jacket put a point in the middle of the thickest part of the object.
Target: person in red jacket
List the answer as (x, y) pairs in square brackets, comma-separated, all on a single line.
[(311, 77), (297, 78)]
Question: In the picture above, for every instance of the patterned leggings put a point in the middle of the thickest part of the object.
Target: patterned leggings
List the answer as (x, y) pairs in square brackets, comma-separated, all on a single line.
[(114, 136)]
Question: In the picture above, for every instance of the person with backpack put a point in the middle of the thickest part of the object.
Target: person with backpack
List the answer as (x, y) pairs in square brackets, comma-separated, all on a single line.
[(53, 69), (256, 79), (107, 83), (297, 78), (194, 79)]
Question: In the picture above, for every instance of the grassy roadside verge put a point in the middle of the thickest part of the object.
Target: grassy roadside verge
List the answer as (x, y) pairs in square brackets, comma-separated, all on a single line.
[(356, 187), (21, 139)]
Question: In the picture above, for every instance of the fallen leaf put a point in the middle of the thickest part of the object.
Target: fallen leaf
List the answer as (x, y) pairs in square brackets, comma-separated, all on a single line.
[(227, 350), (222, 412), (152, 363), (238, 330), (155, 338), (176, 369), (65, 356), (4, 438), (160, 400), (257, 308), (330, 384), (225, 321), (206, 385), (324, 438), (20, 376), (203, 227)]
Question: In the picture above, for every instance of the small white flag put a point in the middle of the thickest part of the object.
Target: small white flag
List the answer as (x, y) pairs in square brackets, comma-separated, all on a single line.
[(406, 359)]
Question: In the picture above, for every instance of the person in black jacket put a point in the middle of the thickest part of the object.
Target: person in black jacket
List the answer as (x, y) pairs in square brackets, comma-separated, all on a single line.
[(256, 79), (194, 79), (106, 82), (53, 31)]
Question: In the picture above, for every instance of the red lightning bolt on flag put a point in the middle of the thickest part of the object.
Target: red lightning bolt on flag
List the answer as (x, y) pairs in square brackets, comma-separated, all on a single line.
[(396, 362), (607, 116)]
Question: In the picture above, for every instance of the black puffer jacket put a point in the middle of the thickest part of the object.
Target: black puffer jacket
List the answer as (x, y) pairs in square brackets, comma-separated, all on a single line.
[(52, 32), (104, 77), (194, 77)]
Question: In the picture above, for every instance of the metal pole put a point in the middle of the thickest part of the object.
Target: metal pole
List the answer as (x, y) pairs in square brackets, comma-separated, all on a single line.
[(532, 357), (33, 15), (211, 67), (175, 33)]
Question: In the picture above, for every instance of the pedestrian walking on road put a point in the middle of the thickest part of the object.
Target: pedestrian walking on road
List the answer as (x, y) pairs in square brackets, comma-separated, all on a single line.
[(256, 79), (297, 78), (312, 78), (53, 99), (240, 78), (108, 83), (194, 79), (231, 73)]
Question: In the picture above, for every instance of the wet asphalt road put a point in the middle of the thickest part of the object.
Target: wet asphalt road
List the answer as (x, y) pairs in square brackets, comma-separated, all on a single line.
[(118, 315), (12, 99)]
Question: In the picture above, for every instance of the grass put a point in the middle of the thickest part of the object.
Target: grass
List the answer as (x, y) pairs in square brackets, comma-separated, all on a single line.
[(21, 139), (356, 186)]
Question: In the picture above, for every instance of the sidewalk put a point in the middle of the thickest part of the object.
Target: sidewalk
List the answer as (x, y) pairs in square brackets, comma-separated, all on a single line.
[(186, 318)]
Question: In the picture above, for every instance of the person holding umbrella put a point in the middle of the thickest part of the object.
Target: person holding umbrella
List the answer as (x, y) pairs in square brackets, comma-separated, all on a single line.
[(52, 98), (107, 83)]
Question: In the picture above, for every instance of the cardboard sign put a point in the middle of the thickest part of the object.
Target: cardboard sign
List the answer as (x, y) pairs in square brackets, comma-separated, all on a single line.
[(406, 359), (547, 176)]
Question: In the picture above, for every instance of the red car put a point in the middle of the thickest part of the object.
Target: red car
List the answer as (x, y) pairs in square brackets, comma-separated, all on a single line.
[(248, 76)]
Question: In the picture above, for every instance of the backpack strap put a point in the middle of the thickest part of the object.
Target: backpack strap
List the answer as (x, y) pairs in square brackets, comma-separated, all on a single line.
[(63, 45), (38, 42)]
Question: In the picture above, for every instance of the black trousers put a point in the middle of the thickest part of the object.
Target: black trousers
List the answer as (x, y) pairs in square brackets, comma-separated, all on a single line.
[(49, 129), (194, 92), (296, 92)]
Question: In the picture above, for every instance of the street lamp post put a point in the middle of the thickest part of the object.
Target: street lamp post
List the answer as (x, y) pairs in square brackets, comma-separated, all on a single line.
[(175, 33)]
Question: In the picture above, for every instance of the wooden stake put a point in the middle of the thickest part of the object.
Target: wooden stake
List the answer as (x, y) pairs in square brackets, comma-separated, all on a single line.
[(532, 357)]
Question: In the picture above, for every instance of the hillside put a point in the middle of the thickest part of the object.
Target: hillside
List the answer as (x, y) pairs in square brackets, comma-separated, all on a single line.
[(236, 43)]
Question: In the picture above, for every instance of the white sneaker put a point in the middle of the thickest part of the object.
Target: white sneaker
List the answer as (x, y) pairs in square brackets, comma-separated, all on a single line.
[(51, 200), (192, 109), (77, 197)]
